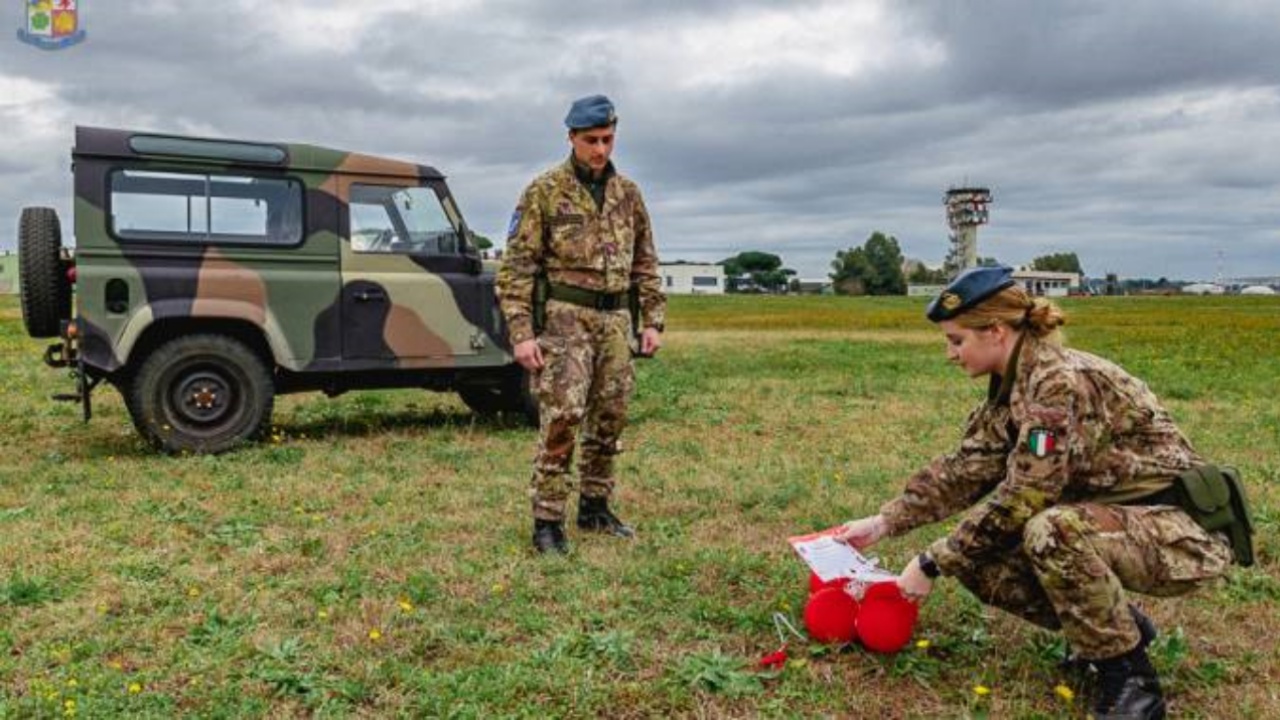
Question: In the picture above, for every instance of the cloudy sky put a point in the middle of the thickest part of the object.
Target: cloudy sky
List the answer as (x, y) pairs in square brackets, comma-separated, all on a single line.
[(1143, 135)]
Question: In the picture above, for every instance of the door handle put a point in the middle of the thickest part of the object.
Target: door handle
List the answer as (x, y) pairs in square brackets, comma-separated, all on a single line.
[(370, 296)]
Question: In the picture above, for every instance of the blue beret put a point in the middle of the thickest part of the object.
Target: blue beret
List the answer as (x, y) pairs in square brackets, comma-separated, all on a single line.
[(968, 289), (592, 111)]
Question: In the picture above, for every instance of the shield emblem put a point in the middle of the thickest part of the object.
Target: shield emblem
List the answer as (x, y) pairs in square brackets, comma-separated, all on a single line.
[(52, 24)]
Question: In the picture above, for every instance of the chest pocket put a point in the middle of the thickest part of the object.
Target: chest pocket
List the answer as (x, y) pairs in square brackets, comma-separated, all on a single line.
[(568, 237)]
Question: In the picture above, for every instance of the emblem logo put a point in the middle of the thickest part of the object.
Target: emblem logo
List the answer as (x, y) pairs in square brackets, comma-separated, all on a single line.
[(52, 24), (950, 301)]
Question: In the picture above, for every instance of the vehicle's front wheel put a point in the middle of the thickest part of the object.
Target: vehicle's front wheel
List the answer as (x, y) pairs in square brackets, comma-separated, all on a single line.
[(201, 394)]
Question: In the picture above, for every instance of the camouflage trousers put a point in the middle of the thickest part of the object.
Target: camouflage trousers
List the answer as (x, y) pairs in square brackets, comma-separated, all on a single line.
[(1077, 560), (586, 382)]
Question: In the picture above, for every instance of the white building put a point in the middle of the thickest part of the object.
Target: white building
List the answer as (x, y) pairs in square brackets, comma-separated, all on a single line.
[(1047, 283), (687, 278)]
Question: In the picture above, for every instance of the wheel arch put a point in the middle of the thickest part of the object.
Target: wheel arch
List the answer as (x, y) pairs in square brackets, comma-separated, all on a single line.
[(161, 331)]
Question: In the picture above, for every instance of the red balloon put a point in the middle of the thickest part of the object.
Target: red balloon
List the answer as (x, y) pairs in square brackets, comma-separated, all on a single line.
[(816, 583), (886, 619), (831, 615)]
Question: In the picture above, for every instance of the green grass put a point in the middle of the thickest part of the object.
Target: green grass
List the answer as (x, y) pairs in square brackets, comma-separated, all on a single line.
[(371, 560)]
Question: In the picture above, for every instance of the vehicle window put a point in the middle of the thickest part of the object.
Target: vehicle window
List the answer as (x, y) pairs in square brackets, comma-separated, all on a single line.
[(204, 208), (409, 220)]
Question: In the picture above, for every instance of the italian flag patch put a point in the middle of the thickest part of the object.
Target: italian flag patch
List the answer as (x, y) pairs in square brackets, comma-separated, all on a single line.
[(1041, 442)]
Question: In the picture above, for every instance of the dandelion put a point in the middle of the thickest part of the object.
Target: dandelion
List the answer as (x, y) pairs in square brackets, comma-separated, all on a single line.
[(981, 690), (405, 605), (922, 644), (135, 688), (375, 634), (498, 589), (71, 682), (322, 614), (1065, 693), (193, 592)]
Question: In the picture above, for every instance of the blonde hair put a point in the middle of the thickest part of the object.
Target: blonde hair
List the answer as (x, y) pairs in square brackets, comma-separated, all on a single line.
[(1017, 309)]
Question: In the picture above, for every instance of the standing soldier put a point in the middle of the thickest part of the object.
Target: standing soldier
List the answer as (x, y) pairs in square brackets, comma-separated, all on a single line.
[(1078, 487), (579, 261)]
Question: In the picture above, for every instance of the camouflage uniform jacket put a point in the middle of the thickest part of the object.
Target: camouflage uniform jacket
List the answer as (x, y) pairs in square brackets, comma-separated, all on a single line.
[(1060, 426), (558, 229)]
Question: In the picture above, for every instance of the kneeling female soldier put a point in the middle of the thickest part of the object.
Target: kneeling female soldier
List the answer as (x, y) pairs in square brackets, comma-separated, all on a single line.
[(1069, 471)]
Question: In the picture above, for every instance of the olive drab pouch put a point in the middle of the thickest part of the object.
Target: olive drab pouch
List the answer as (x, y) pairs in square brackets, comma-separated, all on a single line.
[(1214, 497), (541, 291)]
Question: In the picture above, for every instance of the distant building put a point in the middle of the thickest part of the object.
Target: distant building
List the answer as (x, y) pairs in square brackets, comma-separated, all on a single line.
[(1257, 290), (8, 273), (687, 278), (1203, 289), (812, 286), (915, 290), (1047, 283)]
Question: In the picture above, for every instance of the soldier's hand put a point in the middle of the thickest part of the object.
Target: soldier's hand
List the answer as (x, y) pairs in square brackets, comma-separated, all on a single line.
[(913, 583), (862, 533), (529, 355), (650, 341)]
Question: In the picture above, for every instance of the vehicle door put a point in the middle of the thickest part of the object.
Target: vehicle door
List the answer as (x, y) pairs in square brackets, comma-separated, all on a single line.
[(411, 295)]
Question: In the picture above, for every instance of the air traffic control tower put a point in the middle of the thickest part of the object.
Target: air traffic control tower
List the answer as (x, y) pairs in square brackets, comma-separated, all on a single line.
[(966, 210)]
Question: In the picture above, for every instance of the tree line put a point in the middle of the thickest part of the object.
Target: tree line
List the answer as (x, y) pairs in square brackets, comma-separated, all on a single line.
[(874, 268)]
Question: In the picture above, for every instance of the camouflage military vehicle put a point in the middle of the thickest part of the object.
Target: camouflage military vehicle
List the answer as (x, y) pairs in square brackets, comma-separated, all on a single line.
[(209, 276)]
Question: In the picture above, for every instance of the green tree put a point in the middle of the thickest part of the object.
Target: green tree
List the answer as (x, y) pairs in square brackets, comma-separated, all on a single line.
[(480, 242), (1058, 262), (765, 269), (922, 275), (873, 269)]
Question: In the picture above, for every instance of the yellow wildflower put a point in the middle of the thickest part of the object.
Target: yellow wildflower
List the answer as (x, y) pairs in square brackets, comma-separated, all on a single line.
[(135, 688), (981, 690), (193, 591), (71, 682), (922, 644), (375, 634), (1065, 693), (405, 605), (322, 614)]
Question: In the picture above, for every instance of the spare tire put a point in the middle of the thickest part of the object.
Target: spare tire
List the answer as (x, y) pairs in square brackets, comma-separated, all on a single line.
[(45, 287)]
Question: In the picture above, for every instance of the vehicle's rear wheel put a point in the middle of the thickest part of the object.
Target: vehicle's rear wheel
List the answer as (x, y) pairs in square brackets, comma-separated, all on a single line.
[(45, 287), (202, 394), (508, 394)]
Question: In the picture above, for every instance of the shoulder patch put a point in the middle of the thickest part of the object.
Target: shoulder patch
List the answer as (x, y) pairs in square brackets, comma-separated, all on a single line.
[(514, 224), (1041, 442)]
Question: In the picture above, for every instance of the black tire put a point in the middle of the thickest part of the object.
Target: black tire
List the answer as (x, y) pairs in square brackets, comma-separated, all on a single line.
[(510, 394), (45, 287), (201, 394)]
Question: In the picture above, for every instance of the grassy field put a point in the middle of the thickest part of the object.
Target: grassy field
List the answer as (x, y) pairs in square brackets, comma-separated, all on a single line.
[(371, 559)]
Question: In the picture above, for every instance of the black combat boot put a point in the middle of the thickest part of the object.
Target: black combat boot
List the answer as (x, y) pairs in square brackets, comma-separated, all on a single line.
[(594, 515), (1128, 688), (548, 536), (1147, 632)]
